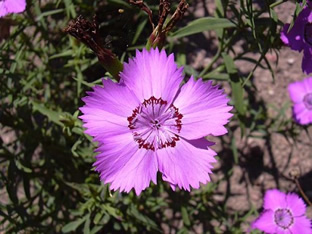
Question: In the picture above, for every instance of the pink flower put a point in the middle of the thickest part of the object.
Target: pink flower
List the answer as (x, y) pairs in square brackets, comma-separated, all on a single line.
[(300, 93), (148, 123), (283, 213), (11, 6)]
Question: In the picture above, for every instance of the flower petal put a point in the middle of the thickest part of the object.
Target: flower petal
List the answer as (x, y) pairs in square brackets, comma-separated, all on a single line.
[(12, 6), (265, 222), (308, 84), (106, 110), (297, 91), (301, 114), (186, 164), (114, 98), (102, 124), (204, 109), (295, 37), (152, 73), (274, 199), (307, 60), (295, 204), (301, 225), (124, 165)]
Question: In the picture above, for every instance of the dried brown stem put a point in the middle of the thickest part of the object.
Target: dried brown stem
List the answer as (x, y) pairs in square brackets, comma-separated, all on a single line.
[(177, 15), (295, 174), (144, 7), (302, 192), (164, 9)]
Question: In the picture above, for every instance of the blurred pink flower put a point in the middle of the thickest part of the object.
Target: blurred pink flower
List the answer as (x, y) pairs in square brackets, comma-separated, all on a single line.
[(283, 213), (11, 6), (147, 123), (300, 93)]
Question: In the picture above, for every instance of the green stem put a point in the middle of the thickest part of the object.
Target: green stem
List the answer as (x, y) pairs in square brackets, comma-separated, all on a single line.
[(276, 3), (114, 67), (216, 57)]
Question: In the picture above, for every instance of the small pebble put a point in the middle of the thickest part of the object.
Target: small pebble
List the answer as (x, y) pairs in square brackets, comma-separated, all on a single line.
[(290, 61)]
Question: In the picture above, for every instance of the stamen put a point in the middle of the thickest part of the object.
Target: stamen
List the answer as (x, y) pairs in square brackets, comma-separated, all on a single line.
[(307, 100), (152, 126), (283, 218)]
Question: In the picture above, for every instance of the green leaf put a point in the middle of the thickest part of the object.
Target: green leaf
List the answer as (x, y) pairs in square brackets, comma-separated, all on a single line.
[(67, 53), (185, 216), (47, 13), (86, 228), (138, 32), (142, 218), (237, 89), (219, 8), (234, 150), (23, 168), (96, 229), (111, 210), (214, 75), (72, 226), (203, 24), (53, 116), (121, 3)]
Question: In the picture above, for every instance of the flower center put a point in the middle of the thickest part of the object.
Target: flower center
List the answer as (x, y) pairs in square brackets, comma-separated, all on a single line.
[(283, 218), (307, 100), (308, 33), (154, 124)]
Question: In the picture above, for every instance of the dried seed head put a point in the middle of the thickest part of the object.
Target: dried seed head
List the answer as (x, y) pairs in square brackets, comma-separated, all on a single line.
[(294, 173), (88, 33)]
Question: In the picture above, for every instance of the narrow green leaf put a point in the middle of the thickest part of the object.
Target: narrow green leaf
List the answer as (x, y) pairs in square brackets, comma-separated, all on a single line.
[(138, 31), (142, 218), (214, 75), (23, 168), (53, 116), (67, 53), (219, 8), (237, 89), (121, 3), (72, 226), (234, 150), (47, 13), (185, 217), (26, 185), (70, 8), (86, 228), (96, 229), (203, 24)]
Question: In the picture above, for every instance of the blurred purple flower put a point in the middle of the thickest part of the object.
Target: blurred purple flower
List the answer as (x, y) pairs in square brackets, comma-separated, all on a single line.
[(283, 213), (300, 93), (300, 36), (148, 123), (11, 6)]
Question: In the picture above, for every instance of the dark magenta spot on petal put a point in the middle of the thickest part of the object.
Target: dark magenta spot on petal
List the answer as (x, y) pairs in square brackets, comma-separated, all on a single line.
[(307, 100), (283, 218)]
